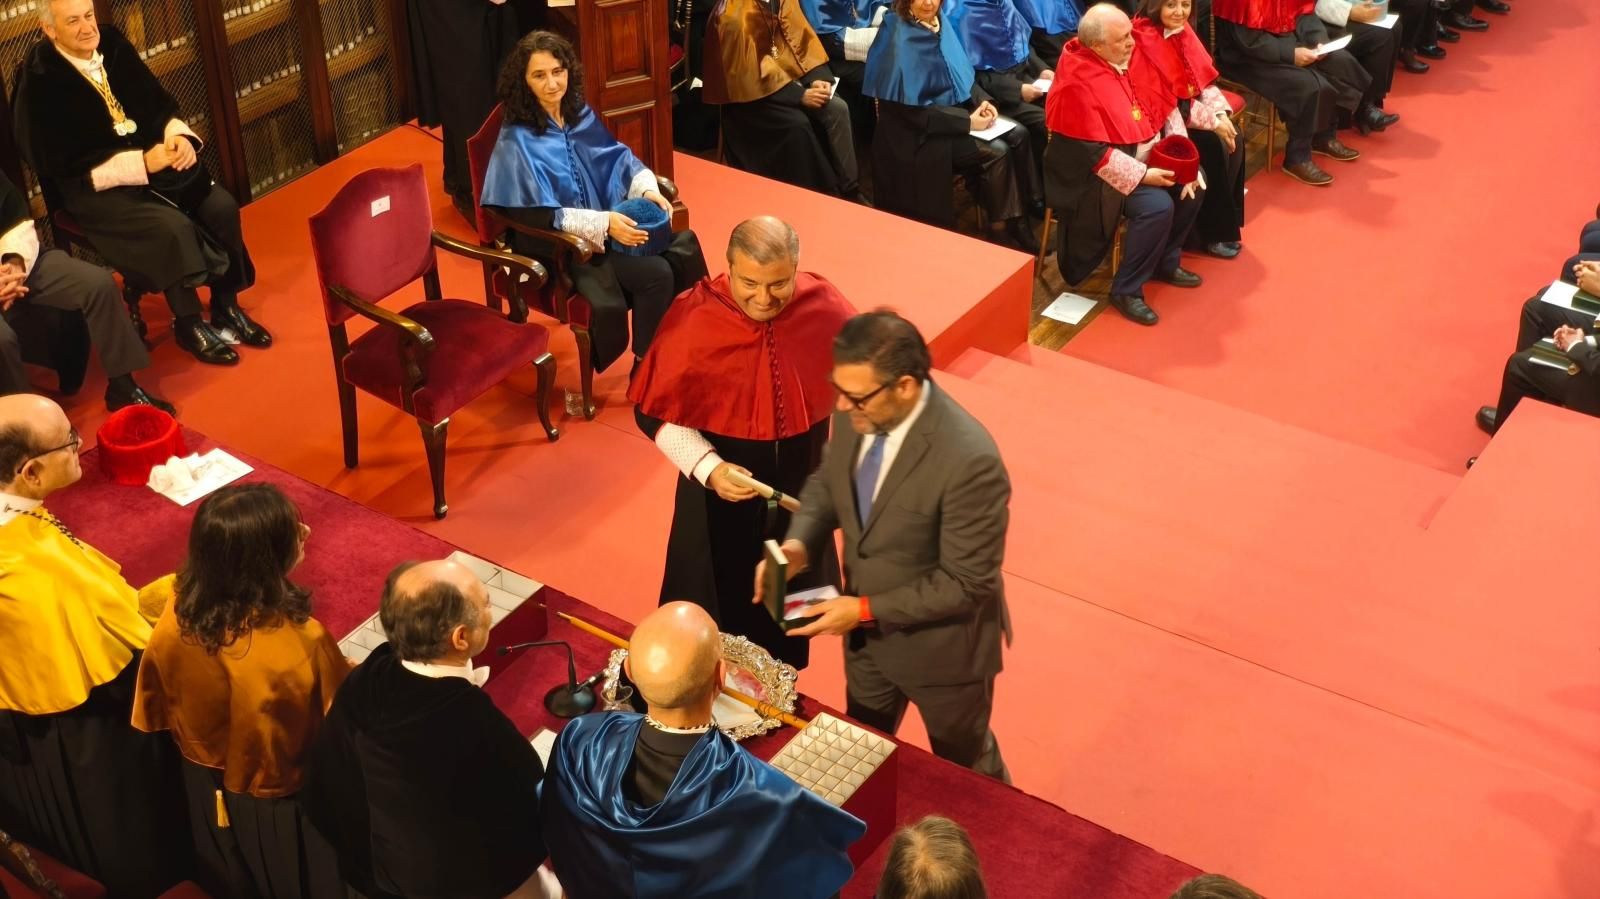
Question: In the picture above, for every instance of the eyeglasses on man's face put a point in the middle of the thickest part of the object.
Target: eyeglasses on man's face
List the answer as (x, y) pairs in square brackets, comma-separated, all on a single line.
[(73, 442), (858, 401)]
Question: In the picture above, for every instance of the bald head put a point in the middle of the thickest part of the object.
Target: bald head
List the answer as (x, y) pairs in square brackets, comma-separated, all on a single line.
[(31, 425), (1106, 30), (435, 611), (673, 656)]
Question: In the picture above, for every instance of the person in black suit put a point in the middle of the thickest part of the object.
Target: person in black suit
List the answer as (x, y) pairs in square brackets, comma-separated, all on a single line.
[(1578, 386), (918, 487)]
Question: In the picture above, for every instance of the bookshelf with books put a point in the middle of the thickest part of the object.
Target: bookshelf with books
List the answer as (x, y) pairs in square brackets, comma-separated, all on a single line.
[(356, 47)]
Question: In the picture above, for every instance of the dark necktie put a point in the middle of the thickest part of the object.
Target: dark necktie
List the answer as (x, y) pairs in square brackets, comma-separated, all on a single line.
[(867, 477)]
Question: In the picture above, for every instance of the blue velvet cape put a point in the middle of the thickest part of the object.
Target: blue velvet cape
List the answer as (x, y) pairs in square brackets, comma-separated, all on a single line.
[(910, 65), (580, 166), (832, 16), (730, 826), (992, 32), (1051, 16)]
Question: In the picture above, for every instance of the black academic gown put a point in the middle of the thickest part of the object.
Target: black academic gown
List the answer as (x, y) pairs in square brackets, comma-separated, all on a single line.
[(1004, 87), (775, 137), (1088, 209), (1306, 96), (423, 787), (95, 793), (64, 131), (456, 50), (714, 545)]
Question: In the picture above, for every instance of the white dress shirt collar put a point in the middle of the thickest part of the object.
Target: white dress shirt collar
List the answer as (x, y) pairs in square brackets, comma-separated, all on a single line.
[(12, 505), (477, 676), (94, 67)]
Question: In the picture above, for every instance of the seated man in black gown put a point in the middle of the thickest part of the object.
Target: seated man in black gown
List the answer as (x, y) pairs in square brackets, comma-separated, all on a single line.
[(1575, 386), (37, 284), (104, 137)]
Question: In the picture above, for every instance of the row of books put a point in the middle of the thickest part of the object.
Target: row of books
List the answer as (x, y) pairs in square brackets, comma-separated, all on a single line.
[(264, 59), (233, 9), (154, 26), (363, 106), (277, 149), (346, 24)]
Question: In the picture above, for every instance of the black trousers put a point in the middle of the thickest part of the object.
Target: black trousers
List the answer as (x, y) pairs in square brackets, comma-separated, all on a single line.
[(957, 715), (61, 284), (1158, 224), (852, 76), (1222, 205), (1419, 22), (1376, 49), (1007, 177)]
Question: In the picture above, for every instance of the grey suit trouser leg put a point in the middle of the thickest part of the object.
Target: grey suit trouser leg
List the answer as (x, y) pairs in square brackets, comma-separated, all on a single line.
[(956, 715), (60, 281)]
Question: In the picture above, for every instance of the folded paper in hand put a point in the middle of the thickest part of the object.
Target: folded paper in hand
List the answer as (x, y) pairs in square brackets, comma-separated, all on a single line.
[(1043, 84), (185, 480), (1001, 126), (1330, 46)]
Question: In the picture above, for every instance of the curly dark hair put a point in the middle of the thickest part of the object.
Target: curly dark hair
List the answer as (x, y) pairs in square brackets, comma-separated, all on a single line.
[(517, 99), (242, 545)]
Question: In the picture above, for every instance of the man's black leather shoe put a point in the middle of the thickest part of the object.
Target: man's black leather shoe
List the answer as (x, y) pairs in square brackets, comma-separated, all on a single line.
[(204, 343), (1134, 308), (1461, 21), (233, 317), (1308, 172), (1448, 35), (1410, 62), (1223, 249), (1488, 419), (1334, 148), (1431, 51), (1370, 118), (1498, 7), (117, 399), (1179, 277)]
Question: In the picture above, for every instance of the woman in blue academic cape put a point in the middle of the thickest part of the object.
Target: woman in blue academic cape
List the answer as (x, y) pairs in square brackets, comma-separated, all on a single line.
[(556, 167), (995, 36), (929, 107)]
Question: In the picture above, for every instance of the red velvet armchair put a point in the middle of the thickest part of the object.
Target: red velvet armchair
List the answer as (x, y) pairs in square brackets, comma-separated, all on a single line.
[(560, 251), (373, 238)]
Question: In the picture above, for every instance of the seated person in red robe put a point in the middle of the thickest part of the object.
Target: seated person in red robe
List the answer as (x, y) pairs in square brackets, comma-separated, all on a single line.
[(737, 380), (1107, 109)]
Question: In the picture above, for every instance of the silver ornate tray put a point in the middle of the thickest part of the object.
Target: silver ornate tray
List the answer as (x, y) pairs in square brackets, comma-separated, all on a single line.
[(751, 670)]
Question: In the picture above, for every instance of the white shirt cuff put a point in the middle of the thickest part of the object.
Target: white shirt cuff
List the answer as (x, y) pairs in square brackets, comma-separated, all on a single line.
[(689, 450), (177, 126), (589, 224), (22, 240), (126, 169), (642, 183)]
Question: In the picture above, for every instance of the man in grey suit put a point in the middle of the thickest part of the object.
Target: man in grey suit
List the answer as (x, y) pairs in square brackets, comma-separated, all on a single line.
[(919, 490)]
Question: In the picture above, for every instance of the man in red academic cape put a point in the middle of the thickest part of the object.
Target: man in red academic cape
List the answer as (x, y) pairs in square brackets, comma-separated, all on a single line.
[(1107, 109), (736, 379)]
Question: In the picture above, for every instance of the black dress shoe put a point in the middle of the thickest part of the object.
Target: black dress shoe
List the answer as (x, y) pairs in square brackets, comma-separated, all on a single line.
[(117, 399), (1021, 234), (1333, 148), (1431, 51), (1370, 118), (1448, 35), (1461, 21), (1498, 7), (1223, 249), (1410, 62), (233, 317), (1488, 419), (1180, 277), (204, 343), (1134, 308), (1308, 172)]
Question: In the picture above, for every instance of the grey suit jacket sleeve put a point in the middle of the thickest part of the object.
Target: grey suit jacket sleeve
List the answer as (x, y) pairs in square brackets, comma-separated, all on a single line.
[(972, 538), (818, 517)]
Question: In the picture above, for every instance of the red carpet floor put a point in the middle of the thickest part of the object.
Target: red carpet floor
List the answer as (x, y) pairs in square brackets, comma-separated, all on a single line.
[(1380, 309)]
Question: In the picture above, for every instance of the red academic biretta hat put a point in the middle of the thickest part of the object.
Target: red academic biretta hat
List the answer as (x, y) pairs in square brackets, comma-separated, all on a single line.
[(1177, 154), (136, 439)]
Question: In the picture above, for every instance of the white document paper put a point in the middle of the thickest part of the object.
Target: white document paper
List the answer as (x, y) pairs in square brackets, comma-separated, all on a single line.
[(1069, 308), (1043, 84), (1330, 46), (1559, 293), (206, 474), (1001, 126), (1388, 21), (833, 88)]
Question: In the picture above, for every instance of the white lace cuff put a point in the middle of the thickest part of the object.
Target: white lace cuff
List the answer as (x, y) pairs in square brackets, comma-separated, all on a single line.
[(1174, 123), (689, 450), (857, 41), (642, 183), (177, 126), (126, 169), (589, 224), (1214, 100), (1121, 171), (22, 240)]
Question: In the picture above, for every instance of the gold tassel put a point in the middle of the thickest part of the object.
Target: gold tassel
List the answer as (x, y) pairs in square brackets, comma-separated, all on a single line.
[(222, 812)]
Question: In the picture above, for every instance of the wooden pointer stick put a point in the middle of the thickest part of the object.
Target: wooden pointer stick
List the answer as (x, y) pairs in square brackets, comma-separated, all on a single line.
[(766, 491), (763, 709)]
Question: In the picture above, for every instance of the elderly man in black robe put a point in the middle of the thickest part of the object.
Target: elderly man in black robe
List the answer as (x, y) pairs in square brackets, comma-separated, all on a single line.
[(105, 139)]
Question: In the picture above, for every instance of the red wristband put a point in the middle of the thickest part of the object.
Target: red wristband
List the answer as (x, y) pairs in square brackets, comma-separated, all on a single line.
[(866, 610)]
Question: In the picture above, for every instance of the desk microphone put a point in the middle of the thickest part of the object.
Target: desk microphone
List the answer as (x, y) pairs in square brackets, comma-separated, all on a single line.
[(568, 700)]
